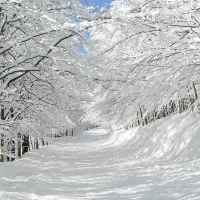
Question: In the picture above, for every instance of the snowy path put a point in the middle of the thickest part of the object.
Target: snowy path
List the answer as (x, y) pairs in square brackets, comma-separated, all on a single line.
[(97, 165)]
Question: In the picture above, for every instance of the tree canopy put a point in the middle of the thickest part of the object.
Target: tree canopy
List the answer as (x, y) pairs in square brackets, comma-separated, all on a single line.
[(148, 57), (62, 64)]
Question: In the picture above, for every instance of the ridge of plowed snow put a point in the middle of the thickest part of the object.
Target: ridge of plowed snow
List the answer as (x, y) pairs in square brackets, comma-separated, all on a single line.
[(158, 161)]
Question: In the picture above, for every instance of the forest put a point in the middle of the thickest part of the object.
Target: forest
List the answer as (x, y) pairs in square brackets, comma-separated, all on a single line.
[(65, 67)]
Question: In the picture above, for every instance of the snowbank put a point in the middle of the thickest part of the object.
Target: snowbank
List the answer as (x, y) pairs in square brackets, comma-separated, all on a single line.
[(172, 138)]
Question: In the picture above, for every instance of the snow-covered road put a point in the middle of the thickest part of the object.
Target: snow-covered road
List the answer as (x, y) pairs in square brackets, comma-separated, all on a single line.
[(99, 165)]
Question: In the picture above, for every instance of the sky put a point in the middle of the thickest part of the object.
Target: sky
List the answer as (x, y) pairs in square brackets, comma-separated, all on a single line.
[(99, 3)]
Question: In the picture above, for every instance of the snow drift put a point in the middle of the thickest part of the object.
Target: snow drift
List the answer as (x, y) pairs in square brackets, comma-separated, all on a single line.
[(171, 138)]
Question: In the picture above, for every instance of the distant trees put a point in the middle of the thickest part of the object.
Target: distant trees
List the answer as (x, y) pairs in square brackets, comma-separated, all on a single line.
[(149, 53)]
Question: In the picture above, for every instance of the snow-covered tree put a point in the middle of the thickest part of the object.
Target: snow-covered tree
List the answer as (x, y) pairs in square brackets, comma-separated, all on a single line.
[(148, 56), (43, 77)]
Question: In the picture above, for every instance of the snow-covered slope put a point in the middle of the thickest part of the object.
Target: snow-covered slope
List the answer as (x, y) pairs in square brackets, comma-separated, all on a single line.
[(171, 138), (158, 161)]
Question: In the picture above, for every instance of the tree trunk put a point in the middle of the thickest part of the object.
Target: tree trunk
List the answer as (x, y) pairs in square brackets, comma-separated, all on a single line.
[(1, 148), (195, 91), (20, 145), (25, 144)]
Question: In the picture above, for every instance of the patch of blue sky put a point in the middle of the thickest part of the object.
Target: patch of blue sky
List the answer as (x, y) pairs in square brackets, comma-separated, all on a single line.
[(96, 3), (81, 50), (87, 34)]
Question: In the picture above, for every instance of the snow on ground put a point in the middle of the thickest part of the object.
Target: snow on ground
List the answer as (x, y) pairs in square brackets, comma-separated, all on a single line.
[(158, 161)]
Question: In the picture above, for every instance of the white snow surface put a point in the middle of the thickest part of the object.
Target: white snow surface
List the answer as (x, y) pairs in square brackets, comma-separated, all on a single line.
[(158, 161)]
